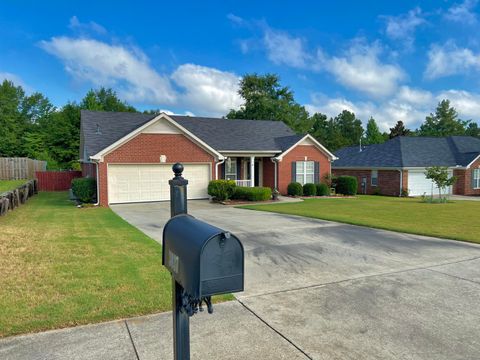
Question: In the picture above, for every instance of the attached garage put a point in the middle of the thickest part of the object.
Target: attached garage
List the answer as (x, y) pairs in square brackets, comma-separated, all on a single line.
[(418, 184), (149, 182)]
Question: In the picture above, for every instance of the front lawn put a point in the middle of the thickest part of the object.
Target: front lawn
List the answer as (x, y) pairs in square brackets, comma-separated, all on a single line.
[(62, 266), (6, 185), (455, 220)]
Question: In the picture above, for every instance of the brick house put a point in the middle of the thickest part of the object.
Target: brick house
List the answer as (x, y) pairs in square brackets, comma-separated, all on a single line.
[(131, 154), (400, 163)]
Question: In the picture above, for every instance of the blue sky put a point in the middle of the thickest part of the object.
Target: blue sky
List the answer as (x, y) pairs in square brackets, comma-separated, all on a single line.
[(390, 60)]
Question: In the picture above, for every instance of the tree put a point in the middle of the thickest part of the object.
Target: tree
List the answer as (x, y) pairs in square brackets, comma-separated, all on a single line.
[(373, 134), (472, 129), (439, 175), (105, 100), (349, 128), (266, 99), (444, 122), (399, 130)]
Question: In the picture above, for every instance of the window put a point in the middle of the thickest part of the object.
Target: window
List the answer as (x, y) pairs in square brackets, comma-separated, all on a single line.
[(231, 169), (476, 179), (305, 172), (374, 180)]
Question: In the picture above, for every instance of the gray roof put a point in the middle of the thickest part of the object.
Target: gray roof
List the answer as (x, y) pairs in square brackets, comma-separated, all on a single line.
[(100, 129), (406, 151)]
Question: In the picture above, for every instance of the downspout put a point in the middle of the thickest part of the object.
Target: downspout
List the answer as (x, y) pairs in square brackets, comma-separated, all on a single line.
[(275, 162), (98, 184), (401, 182), (216, 167)]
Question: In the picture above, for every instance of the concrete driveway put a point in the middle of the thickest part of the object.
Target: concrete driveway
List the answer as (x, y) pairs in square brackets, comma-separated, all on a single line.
[(337, 291)]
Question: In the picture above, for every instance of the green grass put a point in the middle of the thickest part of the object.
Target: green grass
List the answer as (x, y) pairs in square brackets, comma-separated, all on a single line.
[(63, 266), (6, 185), (455, 220)]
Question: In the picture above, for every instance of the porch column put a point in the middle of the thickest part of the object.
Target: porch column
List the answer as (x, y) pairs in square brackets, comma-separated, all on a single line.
[(252, 171)]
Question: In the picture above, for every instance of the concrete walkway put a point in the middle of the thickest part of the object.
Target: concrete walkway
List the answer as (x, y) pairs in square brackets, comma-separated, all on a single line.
[(314, 290)]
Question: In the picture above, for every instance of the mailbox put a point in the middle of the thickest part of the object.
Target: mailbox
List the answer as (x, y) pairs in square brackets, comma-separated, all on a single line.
[(202, 258)]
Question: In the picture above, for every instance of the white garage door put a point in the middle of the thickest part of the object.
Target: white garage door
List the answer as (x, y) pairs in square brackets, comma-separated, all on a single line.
[(141, 183), (418, 184)]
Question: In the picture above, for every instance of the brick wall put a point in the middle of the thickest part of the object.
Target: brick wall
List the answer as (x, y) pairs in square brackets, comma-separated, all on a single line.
[(463, 186), (268, 173), (388, 180), (147, 148), (298, 154)]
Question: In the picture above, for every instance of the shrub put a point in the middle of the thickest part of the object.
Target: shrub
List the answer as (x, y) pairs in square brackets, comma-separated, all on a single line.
[(295, 189), (221, 189), (252, 193), (309, 189), (85, 189), (405, 192), (377, 191), (322, 190), (346, 185)]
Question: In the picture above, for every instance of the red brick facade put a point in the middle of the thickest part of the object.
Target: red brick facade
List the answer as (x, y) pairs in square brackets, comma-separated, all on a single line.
[(463, 186), (146, 149), (388, 180), (299, 153), (268, 173)]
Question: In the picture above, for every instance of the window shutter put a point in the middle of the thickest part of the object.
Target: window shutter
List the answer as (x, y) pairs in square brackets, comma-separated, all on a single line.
[(294, 171), (222, 171), (316, 173), (473, 178), (239, 167)]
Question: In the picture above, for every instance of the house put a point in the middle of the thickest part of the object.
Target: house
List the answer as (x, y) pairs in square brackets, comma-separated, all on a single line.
[(400, 164), (131, 154)]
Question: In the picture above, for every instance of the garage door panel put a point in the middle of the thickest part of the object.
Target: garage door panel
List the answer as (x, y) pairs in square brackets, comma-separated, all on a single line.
[(149, 182), (418, 184)]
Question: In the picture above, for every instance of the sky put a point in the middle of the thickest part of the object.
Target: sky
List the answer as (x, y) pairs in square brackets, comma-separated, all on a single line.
[(390, 60)]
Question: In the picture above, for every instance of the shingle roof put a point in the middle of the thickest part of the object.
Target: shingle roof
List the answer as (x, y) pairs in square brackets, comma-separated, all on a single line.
[(404, 151), (101, 129)]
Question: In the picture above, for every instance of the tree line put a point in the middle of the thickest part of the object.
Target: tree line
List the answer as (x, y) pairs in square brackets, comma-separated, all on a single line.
[(31, 126)]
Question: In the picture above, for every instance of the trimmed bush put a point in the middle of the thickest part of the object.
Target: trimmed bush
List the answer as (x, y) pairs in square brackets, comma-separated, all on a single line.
[(322, 189), (295, 189), (252, 193), (346, 185), (309, 189), (85, 189), (221, 189)]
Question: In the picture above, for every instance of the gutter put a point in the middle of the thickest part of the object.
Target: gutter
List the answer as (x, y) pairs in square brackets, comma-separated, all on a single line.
[(216, 166), (401, 182), (98, 184), (275, 161)]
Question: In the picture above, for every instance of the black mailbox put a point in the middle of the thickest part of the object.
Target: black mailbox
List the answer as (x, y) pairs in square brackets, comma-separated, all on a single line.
[(202, 258)]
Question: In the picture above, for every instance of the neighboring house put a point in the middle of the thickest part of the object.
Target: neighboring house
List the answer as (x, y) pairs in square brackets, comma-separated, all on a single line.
[(131, 154), (400, 164)]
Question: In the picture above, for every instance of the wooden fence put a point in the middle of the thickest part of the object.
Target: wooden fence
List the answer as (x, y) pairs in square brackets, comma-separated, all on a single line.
[(20, 168), (56, 180)]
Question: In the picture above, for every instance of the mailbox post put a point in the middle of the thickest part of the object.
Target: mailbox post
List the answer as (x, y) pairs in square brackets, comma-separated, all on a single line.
[(203, 260)]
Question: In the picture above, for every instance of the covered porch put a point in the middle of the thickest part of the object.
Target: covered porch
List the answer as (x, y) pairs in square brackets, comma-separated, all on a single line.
[(250, 170)]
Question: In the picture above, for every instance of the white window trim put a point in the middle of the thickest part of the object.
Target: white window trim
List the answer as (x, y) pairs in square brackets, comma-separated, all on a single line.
[(231, 160), (372, 177), (305, 173), (476, 179)]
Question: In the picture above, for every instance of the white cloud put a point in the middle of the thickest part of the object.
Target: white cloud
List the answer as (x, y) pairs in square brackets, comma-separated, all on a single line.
[(102, 64), (91, 26), (462, 13), (403, 27), (449, 59), (205, 90), (236, 19), (208, 90), (285, 49), (414, 96), (466, 103), (361, 69)]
